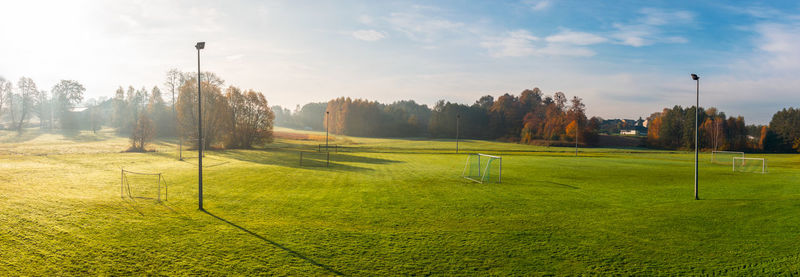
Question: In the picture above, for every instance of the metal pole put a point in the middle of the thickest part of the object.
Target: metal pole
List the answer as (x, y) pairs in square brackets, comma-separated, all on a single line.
[(327, 126), (696, 135), (577, 131), (200, 135), (458, 119)]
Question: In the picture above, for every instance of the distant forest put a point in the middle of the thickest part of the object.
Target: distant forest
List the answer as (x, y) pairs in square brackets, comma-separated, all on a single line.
[(530, 117), (236, 118)]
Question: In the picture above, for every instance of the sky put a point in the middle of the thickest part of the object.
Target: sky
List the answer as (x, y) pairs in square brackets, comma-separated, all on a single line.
[(626, 59)]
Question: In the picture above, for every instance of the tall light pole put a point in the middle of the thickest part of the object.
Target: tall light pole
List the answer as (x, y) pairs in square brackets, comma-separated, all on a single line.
[(199, 46), (696, 131), (458, 118), (577, 131), (327, 126)]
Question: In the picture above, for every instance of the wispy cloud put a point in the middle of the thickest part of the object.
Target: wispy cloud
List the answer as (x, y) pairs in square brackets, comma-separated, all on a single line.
[(521, 43), (576, 38), (538, 5), (516, 43), (419, 27), (368, 35), (648, 29)]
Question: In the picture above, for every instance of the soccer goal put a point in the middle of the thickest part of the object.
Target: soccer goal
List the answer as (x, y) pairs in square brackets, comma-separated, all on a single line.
[(142, 185), (483, 168), (725, 156), (749, 164), (328, 148)]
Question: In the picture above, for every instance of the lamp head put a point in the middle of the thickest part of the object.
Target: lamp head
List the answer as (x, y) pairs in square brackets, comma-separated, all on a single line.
[(200, 45), (695, 77)]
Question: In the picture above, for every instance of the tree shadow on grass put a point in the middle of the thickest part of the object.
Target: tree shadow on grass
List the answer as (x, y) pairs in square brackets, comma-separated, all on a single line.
[(75, 135), (18, 137), (290, 251), (311, 160)]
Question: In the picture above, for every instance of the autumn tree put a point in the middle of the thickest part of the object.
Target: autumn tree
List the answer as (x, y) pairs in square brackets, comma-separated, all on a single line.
[(142, 133), (214, 116), (251, 119)]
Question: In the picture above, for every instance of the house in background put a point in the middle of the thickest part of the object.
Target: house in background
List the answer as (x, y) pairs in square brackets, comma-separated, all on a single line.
[(633, 132)]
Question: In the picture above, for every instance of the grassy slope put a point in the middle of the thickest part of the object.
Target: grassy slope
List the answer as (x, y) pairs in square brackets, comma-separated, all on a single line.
[(400, 208)]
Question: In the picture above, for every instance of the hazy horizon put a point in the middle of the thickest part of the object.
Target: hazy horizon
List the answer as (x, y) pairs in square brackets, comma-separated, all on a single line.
[(624, 59)]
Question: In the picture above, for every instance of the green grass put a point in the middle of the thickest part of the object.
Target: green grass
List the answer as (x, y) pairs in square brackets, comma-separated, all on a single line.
[(390, 207)]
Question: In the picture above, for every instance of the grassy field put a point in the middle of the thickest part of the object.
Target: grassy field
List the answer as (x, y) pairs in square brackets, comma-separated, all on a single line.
[(390, 207)]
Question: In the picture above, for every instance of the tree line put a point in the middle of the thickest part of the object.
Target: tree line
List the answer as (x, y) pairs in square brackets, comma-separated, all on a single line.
[(531, 117), (53, 108), (674, 129), (231, 117)]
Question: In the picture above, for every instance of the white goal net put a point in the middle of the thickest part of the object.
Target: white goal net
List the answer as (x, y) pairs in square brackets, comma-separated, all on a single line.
[(758, 165), (142, 185), (725, 157), (483, 168)]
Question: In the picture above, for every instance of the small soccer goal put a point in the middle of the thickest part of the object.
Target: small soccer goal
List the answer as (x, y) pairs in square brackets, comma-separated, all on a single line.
[(758, 165), (142, 185), (725, 157), (483, 168), (328, 148)]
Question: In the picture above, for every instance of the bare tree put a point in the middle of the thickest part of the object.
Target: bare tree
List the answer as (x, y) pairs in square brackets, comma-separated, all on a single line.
[(174, 80), (67, 94), (41, 107), (5, 94), (215, 109), (27, 89)]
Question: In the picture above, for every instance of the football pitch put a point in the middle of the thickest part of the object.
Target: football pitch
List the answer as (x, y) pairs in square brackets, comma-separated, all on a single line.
[(390, 207)]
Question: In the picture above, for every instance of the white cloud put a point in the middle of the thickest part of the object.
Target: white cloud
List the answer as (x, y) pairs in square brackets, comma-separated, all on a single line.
[(368, 35), (779, 43), (420, 27), (576, 38), (521, 43), (649, 28), (515, 44), (565, 50), (657, 17)]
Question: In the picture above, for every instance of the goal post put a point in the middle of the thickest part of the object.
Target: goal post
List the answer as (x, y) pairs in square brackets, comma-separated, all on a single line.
[(142, 185), (749, 164), (725, 156), (483, 168)]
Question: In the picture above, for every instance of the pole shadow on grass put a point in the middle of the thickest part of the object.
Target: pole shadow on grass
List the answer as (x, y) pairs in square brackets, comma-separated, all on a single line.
[(290, 251), (559, 184)]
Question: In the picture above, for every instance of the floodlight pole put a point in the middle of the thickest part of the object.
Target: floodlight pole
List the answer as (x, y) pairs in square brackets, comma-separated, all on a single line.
[(458, 119), (577, 131), (696, 131), (199, 45), (327, 126)]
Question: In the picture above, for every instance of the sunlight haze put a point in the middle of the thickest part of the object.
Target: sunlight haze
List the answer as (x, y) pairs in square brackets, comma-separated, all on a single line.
[(625, 61)]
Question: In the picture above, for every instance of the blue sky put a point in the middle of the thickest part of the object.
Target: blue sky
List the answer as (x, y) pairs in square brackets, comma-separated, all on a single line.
[(624, 58)]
